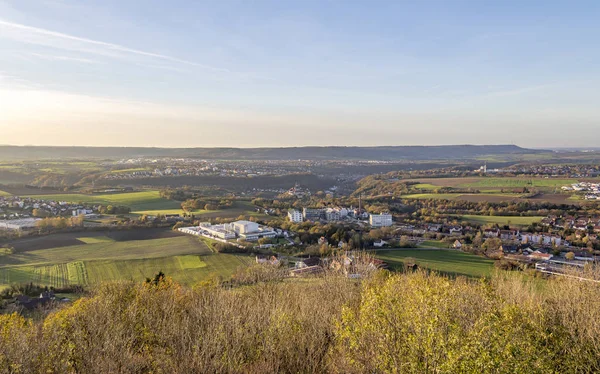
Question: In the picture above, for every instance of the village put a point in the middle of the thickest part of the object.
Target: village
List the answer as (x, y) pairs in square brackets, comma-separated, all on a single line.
[(591, 190)]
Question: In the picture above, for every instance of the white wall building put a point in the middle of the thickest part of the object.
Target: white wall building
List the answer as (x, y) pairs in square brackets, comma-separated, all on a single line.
[(18, 224), (250, 231), (79, 212), (295, 216), (380, 220), (542, 239), (332, 214), (244, 227), (218, 231)]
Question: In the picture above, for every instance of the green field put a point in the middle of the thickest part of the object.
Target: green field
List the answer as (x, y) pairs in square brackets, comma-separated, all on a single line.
[(3, 193), (95, 239), (502, 220), (434, 244), (184, 258), (444, 261), (446, 196), (425, 186)]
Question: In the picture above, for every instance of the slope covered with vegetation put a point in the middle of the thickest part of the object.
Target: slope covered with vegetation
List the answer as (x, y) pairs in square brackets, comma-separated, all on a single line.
[(402, 323)]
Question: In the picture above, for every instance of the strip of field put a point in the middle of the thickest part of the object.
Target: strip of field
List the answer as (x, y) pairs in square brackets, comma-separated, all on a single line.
[(444, 261), (425, 186), (4, 193), (434, 244), (501, 220), (445, 196), (95, 239)]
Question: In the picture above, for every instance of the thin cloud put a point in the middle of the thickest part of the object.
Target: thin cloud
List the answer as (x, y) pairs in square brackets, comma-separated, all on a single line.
[(13, 82), (62, 58), (53, 35)]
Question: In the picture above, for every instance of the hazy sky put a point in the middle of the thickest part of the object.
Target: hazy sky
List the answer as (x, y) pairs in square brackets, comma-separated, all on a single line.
[(261, 73)]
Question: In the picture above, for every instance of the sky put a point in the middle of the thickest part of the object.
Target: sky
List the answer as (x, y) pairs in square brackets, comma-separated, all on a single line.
[(190, 73)]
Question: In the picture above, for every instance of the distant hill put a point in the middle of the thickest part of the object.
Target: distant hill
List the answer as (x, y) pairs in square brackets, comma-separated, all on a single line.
[(408, 153)]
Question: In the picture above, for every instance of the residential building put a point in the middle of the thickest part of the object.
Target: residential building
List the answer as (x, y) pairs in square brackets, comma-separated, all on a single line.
[(312, 214), (295, 216), (18, 224), (332, 214), (380, 220)]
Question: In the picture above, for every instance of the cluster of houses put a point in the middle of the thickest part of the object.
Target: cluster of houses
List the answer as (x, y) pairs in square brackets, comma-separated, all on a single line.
[(591, 190), (549, 170), (422, 229), (15, 208), (31, 303), (541, 239), (137, 168), (580, 224), (349, 264), (298, 192)]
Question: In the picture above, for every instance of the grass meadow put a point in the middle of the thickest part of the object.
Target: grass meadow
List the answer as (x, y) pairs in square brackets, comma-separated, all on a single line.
[(502, 220), (449, 262)]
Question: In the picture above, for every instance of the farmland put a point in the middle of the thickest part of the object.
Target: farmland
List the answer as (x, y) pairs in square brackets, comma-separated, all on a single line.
[(492, 182), (501, 220), (493, 190), (429, 244), (519, 182), (89, 260), (443, 261), (495, 197)]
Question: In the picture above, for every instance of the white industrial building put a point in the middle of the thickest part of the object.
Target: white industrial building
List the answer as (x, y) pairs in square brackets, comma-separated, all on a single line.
[(244, 227), (251, 231), (18, 224), (218, 231), (380, 220), (247, 230), (295, 216)]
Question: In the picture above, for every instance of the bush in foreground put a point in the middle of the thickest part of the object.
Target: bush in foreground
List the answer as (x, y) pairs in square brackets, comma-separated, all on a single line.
[(409, 323)]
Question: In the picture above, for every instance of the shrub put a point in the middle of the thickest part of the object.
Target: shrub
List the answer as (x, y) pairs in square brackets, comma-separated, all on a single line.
[(416, 322)]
